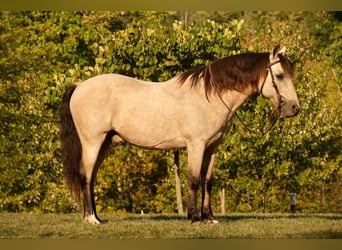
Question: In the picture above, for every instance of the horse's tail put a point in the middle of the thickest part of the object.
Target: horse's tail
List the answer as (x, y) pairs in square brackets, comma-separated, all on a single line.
[(71, 145)]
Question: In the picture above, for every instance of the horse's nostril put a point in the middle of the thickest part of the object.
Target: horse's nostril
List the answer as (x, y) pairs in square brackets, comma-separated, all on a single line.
[(295, 108)]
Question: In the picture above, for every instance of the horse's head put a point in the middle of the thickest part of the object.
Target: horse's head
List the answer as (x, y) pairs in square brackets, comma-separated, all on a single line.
[(278, 85)]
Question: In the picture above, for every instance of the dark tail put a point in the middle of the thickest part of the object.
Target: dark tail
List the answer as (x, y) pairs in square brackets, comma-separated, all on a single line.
[(71, 145)]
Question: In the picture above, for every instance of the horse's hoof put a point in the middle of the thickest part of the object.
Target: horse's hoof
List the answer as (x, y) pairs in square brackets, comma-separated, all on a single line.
[(213, 221), (91, 219)]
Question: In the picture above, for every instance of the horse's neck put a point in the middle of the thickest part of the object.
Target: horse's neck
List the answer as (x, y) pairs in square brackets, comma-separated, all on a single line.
[(233, 99), (223, 105)]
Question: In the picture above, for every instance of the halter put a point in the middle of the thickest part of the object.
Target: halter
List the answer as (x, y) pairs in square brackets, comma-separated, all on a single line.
[(281, 103)]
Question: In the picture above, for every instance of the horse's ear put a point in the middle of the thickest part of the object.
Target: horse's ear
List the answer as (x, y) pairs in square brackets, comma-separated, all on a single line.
[(282, 50), (276, 51)]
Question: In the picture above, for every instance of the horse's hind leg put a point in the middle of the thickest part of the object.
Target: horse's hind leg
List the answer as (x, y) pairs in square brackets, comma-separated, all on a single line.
[(92, 157)]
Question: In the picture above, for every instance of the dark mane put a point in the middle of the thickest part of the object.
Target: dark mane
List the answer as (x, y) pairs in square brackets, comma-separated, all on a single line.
[(237, 72)]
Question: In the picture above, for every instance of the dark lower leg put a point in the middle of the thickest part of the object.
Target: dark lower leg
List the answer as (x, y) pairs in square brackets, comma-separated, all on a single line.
[(89, 203), (88, 184), (192, 205), (206, 212), (206, 181)]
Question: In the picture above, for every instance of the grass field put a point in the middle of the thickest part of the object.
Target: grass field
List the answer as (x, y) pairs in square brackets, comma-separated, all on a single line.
[(235, 226)]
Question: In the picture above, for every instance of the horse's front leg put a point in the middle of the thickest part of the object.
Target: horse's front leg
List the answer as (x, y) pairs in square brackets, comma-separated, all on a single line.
[(206, 181), (195, 157)]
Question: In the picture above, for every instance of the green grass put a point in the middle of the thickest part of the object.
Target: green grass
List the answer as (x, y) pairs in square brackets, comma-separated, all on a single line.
[(235, 226)]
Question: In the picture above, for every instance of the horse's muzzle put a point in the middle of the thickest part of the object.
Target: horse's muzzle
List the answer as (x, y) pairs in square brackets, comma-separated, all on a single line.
[(291, 109)]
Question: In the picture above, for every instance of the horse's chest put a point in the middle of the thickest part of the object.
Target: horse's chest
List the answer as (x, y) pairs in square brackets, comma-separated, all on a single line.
[(221, 133)]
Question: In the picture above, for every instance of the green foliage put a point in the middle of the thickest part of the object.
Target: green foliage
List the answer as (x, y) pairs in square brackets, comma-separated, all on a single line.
[(42, 52)]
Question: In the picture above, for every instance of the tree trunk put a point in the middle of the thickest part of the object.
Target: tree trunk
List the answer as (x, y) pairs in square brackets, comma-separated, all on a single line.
[(223, 201), (178, 183)]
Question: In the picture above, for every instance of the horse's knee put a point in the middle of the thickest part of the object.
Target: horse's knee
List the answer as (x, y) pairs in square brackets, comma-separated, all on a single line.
[(194, 182)]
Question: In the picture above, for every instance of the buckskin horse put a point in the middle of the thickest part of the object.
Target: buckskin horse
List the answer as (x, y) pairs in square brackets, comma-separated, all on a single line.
[(193, 110)]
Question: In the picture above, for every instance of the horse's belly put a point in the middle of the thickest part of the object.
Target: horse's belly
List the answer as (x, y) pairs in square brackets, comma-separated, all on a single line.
[(152, 142), (161, 136)]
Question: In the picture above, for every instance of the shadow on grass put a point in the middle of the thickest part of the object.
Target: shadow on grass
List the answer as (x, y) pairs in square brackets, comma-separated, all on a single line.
[(233, 217), (154, 217), (236, 217), (105, 221)]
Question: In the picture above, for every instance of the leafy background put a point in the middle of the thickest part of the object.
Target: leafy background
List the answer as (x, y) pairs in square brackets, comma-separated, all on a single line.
[(42, 52)]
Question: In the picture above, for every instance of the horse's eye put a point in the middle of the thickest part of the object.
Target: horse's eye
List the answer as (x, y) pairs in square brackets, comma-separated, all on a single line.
[(280, 76)]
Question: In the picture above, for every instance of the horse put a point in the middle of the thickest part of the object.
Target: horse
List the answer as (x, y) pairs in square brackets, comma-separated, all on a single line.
[(192, 110)]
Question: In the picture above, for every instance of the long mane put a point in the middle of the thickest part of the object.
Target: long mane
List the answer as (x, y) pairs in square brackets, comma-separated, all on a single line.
[(236, 72)]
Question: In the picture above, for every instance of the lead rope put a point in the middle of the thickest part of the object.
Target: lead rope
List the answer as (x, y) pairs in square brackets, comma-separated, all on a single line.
[(244, 125)]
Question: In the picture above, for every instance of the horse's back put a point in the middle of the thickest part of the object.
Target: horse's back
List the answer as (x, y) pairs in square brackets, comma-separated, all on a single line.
[(102, 93), (101, 90), (109, 82)]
